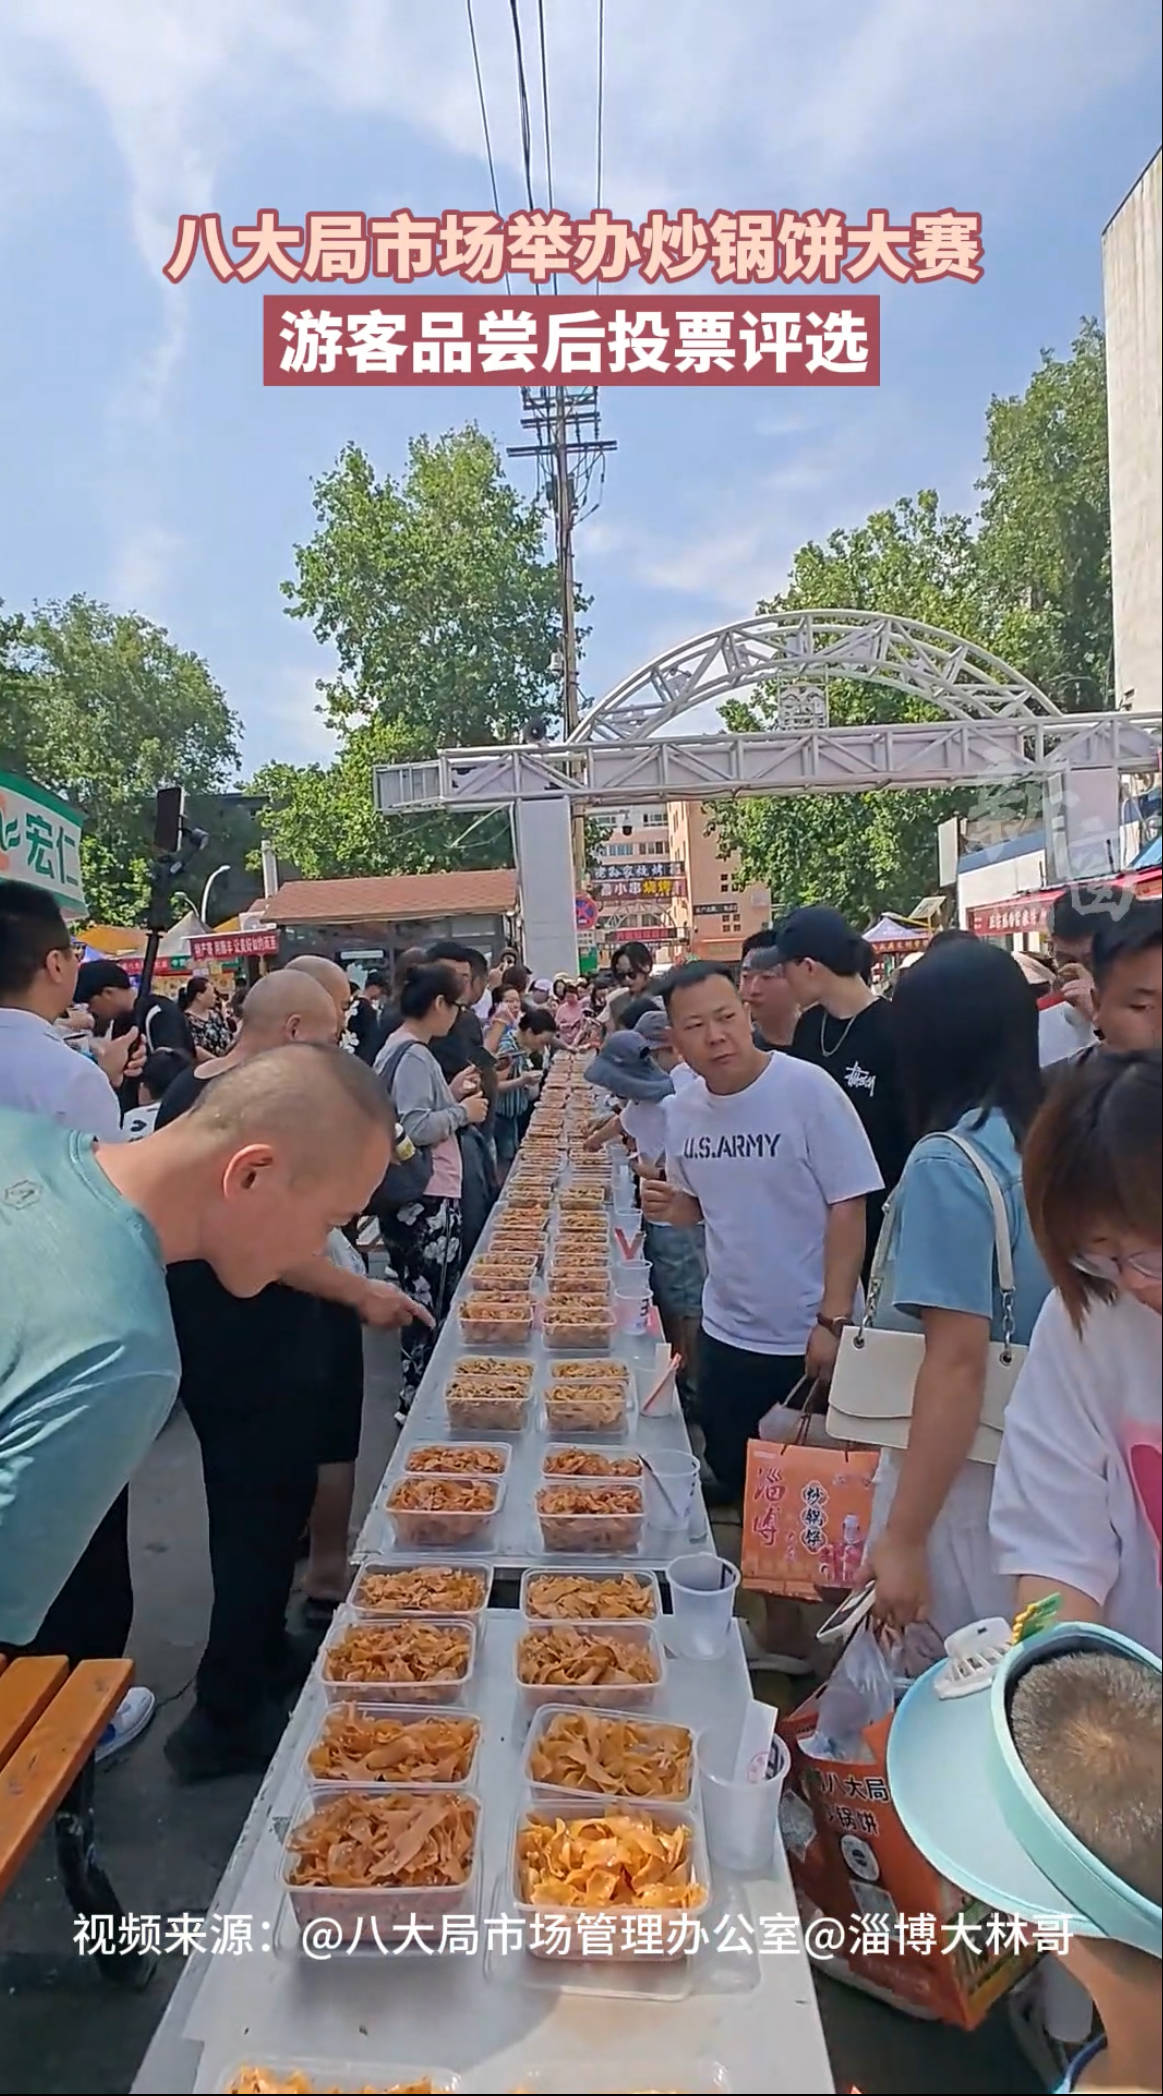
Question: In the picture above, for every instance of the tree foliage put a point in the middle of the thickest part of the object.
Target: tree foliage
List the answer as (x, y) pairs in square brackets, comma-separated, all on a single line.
[(1044, 544), (435, 592), (103, 708), (1029, 579), (323, 822)]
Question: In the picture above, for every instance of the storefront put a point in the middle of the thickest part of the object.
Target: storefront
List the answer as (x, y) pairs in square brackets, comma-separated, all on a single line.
[(40, 841), (1020, 915)]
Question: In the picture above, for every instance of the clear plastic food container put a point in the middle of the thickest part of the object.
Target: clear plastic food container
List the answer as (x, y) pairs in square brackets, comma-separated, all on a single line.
[(573, 1932), (573, 1793), (533, 1611), (262, 2070), (584, 1409), (616, 1532), (457, 1459), (339, 1689), (601, 1695), (568, 1280), (492, 1269), (605, 1465), (404, 1714), (469, 1596), (471, 1409), (362, 1910), (422, 1527), (496, 1323), (586, 1199), (578, 1326)]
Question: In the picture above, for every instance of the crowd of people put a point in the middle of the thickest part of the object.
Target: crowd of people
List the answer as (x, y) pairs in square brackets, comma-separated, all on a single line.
[(963, 1164)]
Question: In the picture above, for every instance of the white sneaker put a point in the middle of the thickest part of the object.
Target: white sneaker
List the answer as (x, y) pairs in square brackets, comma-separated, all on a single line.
[(761, 1661), (128, 1722)]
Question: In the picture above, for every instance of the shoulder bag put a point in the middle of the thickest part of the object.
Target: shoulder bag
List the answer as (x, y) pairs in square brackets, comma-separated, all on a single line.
[(406, 1179), (871, 1396)]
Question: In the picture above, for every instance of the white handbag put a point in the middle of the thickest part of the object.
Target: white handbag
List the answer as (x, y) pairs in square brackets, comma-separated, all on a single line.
[(871, 1396)]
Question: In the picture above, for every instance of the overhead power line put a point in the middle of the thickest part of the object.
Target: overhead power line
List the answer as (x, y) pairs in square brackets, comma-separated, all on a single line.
[(601, 99), (476, 65), (523, 105)]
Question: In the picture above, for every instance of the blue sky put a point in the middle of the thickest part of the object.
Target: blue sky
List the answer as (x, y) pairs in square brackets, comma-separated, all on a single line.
[(145, 464)]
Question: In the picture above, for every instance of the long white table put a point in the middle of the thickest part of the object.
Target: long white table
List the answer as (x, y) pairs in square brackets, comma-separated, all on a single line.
[(739, 2016)]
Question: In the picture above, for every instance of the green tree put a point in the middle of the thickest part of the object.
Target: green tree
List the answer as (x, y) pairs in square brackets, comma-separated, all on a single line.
[(322, 820), (19, 692), (435, 592), (119, 710), (1029, 579), (869, 851), (1044, 544)]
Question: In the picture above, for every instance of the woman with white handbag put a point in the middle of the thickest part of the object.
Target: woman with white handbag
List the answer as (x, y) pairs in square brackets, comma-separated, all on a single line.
[(955, 1289)]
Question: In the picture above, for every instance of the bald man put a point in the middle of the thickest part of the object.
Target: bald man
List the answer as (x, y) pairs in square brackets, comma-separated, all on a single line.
[(279, 1010), (330, 977), (250, 1181), (273, 1387)]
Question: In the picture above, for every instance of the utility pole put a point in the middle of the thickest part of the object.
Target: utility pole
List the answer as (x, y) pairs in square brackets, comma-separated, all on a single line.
[(565, 424)]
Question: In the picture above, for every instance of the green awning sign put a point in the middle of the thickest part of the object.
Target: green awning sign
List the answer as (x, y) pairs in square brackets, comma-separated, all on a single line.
[(40, 841)]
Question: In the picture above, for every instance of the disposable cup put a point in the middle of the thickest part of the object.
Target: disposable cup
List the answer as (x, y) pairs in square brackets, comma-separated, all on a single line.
[(631, 1312), (742, 1818), (658, 1367), (702, 1596), (670, 1477)]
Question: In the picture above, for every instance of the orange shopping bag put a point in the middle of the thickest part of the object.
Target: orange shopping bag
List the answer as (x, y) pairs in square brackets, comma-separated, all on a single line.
[(806, 1512)]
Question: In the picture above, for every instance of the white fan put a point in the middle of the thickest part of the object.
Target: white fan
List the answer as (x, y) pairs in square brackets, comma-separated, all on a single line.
[(974, 1655)]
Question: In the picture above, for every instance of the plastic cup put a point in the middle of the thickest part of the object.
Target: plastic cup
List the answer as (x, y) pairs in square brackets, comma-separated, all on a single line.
[(702, 1597), (742, 1818), (647, 1374), (670, 1479), (632, 1296)]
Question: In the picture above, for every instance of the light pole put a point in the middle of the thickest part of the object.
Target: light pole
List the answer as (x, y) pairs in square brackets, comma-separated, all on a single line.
[(218, 871)]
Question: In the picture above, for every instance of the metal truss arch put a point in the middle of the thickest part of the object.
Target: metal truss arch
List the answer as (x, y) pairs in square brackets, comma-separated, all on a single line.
[(802, 651)]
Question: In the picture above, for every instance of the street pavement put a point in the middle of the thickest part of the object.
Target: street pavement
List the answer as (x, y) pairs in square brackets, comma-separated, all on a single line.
[(62, 2030)]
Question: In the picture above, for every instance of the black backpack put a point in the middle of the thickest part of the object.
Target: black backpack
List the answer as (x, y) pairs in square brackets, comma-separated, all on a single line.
[(406, 1179)]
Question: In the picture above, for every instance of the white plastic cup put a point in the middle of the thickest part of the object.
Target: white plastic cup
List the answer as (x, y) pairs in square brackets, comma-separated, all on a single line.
[(670, 1478), (647, 1374), (702, 1597), (742, 1818), (624, 1192)]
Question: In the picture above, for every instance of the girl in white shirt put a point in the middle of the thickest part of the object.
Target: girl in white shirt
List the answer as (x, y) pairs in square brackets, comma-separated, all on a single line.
[(1076, 1500)]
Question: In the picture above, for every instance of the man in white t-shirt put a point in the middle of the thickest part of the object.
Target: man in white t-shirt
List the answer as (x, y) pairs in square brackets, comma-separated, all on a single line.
[(769, 1153), (39, 1071)]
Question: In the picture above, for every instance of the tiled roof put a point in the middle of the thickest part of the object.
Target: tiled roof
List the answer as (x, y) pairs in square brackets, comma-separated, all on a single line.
[(398, 897)]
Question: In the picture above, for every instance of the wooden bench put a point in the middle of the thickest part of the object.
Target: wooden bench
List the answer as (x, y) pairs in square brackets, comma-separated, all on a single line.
[(50, 1722)]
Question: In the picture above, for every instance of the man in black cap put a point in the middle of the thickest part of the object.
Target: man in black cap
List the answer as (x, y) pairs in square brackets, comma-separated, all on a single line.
[(846, 1029), (111, 997)]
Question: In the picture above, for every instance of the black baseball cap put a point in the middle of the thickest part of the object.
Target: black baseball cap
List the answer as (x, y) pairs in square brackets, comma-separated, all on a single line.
[(95, 976), (816, 933)]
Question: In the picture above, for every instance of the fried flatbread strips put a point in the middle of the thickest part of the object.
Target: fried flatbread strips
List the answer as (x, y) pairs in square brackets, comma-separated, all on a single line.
[(575, 1597), (359, 1746), (399, 1837), (401, 1652), (613, 1756), (626, 1859), (564, 1657)]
